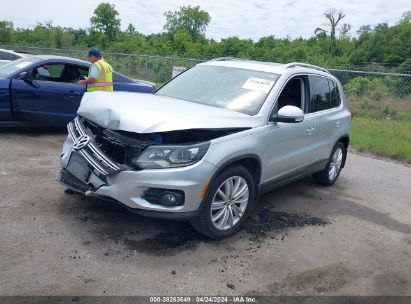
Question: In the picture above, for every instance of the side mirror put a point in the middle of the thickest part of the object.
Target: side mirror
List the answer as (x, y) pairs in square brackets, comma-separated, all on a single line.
[(289, 114), (24, 76)]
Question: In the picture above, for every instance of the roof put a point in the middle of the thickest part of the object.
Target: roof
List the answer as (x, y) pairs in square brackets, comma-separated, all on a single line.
[(61, 58), (270, 67), (21, 54)]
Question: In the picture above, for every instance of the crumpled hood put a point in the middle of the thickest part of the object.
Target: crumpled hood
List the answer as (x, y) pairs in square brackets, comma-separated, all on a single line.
[(149, 113)]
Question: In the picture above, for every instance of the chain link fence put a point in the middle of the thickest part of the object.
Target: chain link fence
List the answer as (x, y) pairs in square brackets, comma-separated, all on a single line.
[(374, 85), (153, 68), (158, 69), (378, 98)]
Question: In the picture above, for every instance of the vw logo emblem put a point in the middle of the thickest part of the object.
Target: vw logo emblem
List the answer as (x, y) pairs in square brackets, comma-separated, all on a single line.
[(81, 142)]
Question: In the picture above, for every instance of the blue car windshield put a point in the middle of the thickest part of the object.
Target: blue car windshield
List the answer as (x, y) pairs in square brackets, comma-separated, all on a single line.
[(13, 66), (235, 89)]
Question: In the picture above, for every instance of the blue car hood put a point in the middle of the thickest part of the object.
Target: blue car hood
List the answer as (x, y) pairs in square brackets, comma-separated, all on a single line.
[(4, 83)]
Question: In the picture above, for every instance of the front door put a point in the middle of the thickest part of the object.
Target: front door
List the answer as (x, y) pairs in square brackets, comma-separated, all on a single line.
[(51, 95), (288, 146)]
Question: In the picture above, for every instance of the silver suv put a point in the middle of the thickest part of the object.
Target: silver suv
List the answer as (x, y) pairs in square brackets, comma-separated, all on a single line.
[(207, 143)]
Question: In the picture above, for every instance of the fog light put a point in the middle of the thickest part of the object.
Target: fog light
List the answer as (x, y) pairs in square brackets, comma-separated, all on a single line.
[(168, 199), (165, 197)]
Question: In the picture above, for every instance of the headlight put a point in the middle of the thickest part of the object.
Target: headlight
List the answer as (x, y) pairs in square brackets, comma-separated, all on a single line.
[(157, 157)]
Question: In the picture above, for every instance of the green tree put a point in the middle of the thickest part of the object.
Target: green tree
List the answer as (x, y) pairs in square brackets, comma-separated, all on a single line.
[(105, 20), (345, 30), (63, 38), (6, 31), (234, 46), (79, 36), (131, 30), (192, 20), (334, 18), (406, 17), (405, 67), (384, 43)]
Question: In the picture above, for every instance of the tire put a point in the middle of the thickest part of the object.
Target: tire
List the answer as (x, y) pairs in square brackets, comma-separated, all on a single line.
[(329, 175), (227, 203)]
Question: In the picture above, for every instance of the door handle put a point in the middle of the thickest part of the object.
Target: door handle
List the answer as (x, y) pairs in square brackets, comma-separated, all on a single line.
[(74, 93), (310, 131)]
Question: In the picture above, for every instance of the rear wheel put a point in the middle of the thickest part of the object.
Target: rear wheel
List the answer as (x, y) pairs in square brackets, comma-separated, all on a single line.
[(329, 175), (226, 204)]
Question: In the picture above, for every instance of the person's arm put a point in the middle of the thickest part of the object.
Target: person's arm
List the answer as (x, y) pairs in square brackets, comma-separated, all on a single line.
[(89, 80), (94, 73)]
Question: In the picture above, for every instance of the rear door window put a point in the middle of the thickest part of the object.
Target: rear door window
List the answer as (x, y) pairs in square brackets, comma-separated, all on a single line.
[(73, 73), (324, 94), (83, 71), (319, 93)]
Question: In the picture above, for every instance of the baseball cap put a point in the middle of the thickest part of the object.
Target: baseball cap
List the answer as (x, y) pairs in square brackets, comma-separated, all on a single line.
[(94, 52)]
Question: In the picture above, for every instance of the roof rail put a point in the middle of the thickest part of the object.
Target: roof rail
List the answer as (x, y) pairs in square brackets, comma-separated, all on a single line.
[(222, 58), (304, 65), (228, 58)]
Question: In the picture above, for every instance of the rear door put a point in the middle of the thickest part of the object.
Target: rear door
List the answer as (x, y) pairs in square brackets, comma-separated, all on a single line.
[(51, 95), (325, 104)]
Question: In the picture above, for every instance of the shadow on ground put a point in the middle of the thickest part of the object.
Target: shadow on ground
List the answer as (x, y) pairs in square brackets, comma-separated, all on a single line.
[(108, 222), (299, 204)]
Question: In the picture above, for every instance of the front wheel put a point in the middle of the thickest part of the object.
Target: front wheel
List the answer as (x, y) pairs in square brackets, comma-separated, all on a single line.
[(226, 204), (329, 175)]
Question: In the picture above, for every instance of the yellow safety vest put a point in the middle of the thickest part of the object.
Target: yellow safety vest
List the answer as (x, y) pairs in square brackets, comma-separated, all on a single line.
[(105, 78)]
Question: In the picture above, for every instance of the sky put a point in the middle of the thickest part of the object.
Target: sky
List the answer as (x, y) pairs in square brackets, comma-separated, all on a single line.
[(251, 19)]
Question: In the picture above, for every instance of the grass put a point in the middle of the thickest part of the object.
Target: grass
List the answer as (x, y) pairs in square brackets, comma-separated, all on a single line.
[(382, 127), (382, 137), (382, 109)]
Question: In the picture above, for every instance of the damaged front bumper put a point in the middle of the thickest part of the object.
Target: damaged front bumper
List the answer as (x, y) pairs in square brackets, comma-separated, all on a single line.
[(88, 170)]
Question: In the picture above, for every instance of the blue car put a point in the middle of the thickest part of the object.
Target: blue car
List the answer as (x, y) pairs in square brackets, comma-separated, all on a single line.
[(43, 90)]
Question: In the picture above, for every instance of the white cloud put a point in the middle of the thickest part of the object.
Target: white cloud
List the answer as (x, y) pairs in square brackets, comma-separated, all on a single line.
[(245, 19)]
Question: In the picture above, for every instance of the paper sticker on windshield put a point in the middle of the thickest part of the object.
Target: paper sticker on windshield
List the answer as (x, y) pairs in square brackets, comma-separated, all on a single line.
[(23, 64), (258, 84)]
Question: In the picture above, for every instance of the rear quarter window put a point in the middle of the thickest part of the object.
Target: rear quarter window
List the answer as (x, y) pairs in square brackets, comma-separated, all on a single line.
[(334, 94), (119, 78), (8, 56)]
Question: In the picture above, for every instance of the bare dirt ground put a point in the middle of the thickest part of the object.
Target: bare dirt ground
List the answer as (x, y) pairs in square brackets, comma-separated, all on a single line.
[(350, 239)]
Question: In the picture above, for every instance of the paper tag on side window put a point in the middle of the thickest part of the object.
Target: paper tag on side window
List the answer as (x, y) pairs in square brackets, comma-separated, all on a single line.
[(258, 84)]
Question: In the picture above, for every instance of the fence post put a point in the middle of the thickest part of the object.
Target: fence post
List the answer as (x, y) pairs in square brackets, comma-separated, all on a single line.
[(146, 68)]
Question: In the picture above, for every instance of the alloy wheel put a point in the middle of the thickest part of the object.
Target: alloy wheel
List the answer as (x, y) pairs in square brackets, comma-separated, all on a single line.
[(229, 203), (335, 164)]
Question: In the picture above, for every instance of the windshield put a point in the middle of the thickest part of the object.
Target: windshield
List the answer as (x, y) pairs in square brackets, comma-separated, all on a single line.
[(230, 88), (14, 66)]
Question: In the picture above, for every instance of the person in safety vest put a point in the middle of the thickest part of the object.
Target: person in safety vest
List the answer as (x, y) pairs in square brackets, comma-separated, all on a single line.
[(100, 74)]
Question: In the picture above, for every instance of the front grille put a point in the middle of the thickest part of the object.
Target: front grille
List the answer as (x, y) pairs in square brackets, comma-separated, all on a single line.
[(98, 160), (120, 146)]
